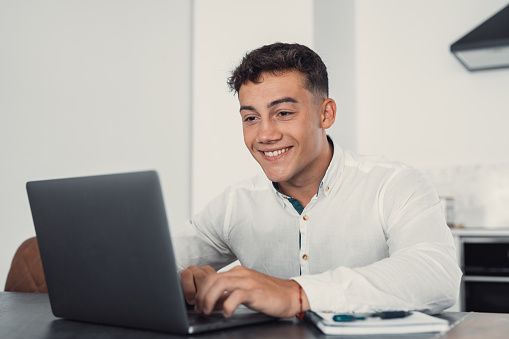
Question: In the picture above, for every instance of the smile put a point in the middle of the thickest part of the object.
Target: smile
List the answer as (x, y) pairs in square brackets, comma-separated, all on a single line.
[(276, 152)]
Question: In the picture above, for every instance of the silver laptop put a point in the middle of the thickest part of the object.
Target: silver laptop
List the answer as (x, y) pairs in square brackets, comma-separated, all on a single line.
[(108, 258)]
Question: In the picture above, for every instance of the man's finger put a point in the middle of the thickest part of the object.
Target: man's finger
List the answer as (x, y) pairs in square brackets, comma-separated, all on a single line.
[(220, 301), (234, 300), (208, 269), (200, 273), (188, 285), (211, 292)]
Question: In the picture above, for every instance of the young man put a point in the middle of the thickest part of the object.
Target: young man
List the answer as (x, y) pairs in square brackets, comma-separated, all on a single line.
[(323, 229)]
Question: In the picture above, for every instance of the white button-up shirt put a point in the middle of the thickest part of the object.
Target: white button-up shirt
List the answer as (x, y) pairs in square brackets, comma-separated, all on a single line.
[(373, 238)]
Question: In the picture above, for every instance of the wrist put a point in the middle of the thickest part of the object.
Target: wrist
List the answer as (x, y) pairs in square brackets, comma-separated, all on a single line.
[(302, 302)]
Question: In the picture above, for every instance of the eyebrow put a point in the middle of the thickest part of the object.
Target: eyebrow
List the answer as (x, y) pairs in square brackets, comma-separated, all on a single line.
[(272, 104), (248, 108), (280, 101)]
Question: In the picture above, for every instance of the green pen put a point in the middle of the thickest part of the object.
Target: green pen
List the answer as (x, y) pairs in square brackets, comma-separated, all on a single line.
[(381, 315), (346, 317)]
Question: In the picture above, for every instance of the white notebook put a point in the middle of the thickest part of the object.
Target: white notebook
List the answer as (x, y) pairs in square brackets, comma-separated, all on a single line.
[(417, 322)]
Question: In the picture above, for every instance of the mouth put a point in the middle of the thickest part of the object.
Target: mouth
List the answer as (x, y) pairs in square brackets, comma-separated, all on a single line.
[(275, 153)]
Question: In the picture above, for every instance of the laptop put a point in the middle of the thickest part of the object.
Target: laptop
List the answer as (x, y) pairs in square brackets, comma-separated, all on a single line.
[(107, 255)]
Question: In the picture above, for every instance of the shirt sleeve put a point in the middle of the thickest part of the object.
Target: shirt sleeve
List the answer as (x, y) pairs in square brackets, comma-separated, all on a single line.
[(421, 272), (201, 240)]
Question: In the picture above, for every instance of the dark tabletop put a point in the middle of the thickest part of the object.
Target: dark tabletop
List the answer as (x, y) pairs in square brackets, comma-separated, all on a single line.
[(28, 315)]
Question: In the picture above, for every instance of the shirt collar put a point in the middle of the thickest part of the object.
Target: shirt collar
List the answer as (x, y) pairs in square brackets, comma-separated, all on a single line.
[(333, 173), (282, 197)]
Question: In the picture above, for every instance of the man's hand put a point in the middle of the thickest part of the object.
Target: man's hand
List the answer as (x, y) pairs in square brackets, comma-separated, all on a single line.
[(206, 289), (191, 279)]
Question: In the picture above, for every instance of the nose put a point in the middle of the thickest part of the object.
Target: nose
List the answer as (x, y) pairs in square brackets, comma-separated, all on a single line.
[(269, 132)]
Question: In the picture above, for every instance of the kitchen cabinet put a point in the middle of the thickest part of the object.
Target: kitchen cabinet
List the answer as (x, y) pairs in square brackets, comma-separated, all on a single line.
[(483, 255)]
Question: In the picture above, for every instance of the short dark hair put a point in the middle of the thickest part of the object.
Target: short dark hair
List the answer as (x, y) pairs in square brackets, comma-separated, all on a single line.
[(279, 58)]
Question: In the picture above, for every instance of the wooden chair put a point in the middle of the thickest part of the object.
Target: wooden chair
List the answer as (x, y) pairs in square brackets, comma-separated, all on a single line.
[(26, 274)]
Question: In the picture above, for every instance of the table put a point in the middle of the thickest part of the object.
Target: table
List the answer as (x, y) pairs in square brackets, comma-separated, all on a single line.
[(28, 315)]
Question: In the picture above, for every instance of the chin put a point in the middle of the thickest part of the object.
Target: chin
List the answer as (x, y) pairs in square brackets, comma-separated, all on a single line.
[(275, 177), (274, 173)]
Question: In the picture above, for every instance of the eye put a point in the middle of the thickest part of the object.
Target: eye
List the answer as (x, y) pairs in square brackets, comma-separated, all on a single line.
[(285, 113), (249, 119)]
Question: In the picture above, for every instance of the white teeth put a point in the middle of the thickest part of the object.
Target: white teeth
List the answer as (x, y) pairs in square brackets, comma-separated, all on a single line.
[(278, 152)]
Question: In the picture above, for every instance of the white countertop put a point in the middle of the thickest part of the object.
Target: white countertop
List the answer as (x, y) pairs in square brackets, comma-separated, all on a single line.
[(480, 231)]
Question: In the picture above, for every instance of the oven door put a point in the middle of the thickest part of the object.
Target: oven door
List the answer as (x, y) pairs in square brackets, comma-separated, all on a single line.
[(485, 263), (486, 294)]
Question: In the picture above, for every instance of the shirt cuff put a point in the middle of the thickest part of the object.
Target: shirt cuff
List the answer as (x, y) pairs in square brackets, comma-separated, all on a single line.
[(322, 294)]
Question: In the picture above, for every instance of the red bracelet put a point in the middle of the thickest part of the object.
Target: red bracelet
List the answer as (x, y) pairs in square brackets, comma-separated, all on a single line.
[(301, 314)]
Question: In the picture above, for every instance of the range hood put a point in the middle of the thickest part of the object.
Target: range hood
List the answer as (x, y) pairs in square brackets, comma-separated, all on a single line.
[(486, 46)]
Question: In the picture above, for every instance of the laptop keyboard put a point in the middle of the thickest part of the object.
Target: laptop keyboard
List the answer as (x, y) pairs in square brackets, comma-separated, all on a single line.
[(200, 319), (215, 317)]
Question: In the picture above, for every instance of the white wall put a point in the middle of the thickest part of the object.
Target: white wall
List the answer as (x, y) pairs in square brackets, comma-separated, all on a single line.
[(91, 87), (224, 30), (414, 101), (334, 41), (401, 93)]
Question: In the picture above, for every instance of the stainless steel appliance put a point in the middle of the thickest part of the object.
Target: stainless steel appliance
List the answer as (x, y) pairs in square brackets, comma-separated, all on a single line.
[(485, 285)]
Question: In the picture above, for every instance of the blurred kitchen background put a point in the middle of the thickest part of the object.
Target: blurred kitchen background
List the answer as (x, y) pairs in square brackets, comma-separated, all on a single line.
[(104, 86)]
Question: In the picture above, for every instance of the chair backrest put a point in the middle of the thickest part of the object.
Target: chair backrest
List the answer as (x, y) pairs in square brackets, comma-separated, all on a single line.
[(26, 274)]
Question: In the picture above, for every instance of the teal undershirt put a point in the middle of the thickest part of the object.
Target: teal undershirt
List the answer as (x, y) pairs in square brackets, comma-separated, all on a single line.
[(298, 207), (295, 203)]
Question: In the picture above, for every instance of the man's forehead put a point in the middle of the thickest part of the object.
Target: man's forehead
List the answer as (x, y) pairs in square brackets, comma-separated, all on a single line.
[(272, 87)]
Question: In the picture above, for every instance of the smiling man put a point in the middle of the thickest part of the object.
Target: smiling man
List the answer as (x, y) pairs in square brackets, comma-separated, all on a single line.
[(322, 228), (284, 129)]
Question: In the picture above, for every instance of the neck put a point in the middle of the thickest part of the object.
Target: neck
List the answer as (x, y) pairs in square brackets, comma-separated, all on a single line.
[(303, 189)]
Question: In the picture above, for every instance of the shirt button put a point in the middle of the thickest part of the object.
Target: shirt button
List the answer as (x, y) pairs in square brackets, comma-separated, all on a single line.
[(305, 257), (305, 217), (327, 189)]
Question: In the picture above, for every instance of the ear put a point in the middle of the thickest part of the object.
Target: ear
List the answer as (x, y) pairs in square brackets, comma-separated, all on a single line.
[(328, 115)]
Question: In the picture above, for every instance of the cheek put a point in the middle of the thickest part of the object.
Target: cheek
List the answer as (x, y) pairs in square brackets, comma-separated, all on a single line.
[(310, 138), (249, 136)]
